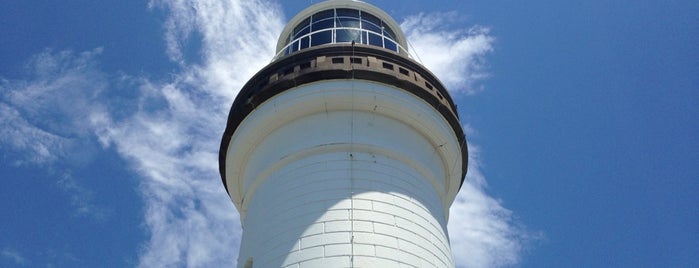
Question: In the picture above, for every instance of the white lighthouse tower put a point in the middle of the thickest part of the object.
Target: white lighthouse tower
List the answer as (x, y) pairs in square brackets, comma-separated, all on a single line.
[(343, 152)]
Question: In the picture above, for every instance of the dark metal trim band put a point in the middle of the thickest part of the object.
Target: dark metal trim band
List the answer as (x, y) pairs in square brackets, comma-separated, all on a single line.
[(341, 61)]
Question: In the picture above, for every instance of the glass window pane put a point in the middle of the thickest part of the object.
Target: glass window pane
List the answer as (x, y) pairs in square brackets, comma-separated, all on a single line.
[(371, 18), (375, 40), (330, 13), (390, 44), (388, 32), (365, 37), (305, 42), (323, 24), (348, 22), (345, 35), (320, 38), (295, 46), (302, 32), (303, 24), (345, 12), (371, 26)]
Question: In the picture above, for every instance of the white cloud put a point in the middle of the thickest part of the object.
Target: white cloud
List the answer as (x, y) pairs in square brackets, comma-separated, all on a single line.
[(46, 119), (26, 142), (238, 38), (483, 233), (174, 144), (46, 115), (456, 56)]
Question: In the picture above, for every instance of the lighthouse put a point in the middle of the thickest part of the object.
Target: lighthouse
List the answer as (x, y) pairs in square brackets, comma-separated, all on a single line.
[(343, 151)]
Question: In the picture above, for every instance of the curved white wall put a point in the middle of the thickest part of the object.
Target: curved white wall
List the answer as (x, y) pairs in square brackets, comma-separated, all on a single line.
[(344, 173)]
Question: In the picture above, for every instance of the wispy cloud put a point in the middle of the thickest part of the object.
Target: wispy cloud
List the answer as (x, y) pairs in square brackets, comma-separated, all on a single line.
[(81, 198), (237, 39), (483, 232), (14, 256), (45, 118), (455, 54), (25, 142), (174, 144), (47, 113)]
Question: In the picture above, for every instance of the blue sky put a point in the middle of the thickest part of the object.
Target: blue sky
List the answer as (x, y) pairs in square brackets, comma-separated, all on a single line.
[(581, 117)]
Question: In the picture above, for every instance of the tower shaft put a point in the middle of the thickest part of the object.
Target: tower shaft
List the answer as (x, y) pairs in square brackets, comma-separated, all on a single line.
[(352, 183), (343, 154)]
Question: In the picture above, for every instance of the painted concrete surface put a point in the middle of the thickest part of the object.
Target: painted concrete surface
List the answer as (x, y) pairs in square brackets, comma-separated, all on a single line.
[(344, 173)]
